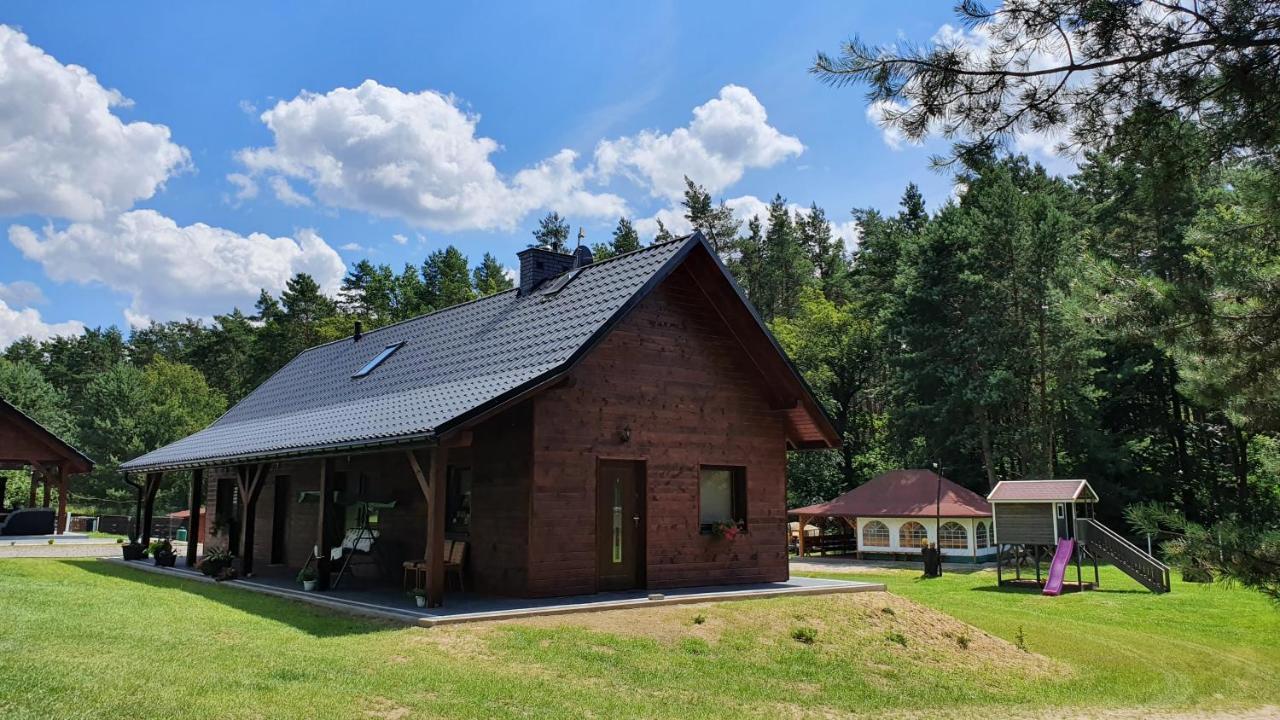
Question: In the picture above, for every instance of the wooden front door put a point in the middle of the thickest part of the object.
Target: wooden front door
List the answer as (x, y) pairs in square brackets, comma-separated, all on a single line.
[(620, 525)]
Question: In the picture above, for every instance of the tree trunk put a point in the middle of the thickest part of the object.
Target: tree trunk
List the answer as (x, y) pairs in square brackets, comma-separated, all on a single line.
[(984, 432)]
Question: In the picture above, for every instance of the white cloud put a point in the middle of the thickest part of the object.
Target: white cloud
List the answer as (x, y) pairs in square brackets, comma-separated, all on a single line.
[(16, 324), (400, 239), (352, 247), (415, 156), (876, 114), (171, 271), (63, 152), (286, 194), (22, 294), (246, 187), (728, 135)]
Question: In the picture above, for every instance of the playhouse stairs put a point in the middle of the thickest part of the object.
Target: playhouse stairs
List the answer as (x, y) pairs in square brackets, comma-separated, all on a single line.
[(1105, 543)]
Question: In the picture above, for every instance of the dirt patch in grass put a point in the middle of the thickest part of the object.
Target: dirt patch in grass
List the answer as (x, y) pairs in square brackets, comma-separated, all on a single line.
[(863, 626), (384, 709)]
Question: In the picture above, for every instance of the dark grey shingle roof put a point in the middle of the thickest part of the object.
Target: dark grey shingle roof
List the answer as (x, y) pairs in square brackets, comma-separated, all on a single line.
[(455, 363)]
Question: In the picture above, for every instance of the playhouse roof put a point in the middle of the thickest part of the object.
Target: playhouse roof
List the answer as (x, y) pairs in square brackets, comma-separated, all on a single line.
[(1042, 491), (903, 493), (413, 381)]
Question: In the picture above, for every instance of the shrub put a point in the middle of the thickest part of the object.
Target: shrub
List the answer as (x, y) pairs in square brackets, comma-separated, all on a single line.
[(215, 562), (160, 546), (896, 637), (307, 574), (699, 619), (805, 634), (963, 640)]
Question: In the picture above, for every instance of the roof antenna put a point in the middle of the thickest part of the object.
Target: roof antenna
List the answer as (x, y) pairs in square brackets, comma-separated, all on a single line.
[(581, 234)]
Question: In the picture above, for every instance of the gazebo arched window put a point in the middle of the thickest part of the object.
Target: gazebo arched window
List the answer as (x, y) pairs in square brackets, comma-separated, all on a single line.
[(875, 534), (912, 535), (953, 536), (980, 535)]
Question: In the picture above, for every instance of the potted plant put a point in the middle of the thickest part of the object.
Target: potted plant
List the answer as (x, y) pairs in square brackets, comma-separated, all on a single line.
[(308, 577), (133, 550), (726, 529), (162, 551), (420, 597), (214, 563)]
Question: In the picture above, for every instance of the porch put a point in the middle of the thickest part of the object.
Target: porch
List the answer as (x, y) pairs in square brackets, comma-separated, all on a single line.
[(382, 602)]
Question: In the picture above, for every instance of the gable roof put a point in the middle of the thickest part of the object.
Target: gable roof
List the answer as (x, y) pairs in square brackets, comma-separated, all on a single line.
[(461, 363), (903, 493), (1042, 491), (59, 450)]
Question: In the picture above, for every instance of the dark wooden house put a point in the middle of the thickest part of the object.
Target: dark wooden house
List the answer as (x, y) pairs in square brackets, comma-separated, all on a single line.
[(585, 431)]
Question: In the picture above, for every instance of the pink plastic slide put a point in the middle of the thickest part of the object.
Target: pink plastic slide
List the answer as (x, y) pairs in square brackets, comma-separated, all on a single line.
[(1058, 569)]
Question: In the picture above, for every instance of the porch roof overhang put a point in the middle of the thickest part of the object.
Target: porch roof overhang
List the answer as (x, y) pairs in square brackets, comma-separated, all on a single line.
[(25, 442)]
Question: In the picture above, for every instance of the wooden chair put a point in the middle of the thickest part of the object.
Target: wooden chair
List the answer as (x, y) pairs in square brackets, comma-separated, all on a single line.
[(416, 570), (455, 560)]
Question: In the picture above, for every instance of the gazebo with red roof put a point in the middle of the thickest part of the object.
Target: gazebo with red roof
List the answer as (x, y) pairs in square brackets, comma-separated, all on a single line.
[(900, 511)]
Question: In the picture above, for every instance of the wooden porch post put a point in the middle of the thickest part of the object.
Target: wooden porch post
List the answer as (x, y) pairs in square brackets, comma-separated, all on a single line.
[(46, 490), (250, 478), (800, 541), (435, 530), (149, 504), (432, 484), (62, 502), (323, 532), (35, 478), (4, 487), (193, 519)]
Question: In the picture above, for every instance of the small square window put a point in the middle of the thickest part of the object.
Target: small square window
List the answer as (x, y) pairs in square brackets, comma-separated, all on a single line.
[(722, 496)]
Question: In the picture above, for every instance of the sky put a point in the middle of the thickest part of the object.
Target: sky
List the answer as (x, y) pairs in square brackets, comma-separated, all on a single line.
[(172, 160)]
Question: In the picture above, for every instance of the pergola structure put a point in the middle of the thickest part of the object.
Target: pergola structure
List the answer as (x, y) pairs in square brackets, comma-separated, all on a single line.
[(25, 443)]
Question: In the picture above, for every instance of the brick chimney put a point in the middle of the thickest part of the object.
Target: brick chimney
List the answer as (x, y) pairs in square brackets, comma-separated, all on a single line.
[(540, 264)]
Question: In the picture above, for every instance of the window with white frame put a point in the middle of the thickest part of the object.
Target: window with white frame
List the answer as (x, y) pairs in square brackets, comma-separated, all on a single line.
[(953, 536), (912, 535), (875, 534), (980, 535)]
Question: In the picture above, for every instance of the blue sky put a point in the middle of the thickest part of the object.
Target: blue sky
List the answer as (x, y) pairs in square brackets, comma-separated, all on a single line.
[(305, 136)]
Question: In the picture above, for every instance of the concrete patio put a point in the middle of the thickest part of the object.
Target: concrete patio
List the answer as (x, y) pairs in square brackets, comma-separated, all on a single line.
[(462, 607)]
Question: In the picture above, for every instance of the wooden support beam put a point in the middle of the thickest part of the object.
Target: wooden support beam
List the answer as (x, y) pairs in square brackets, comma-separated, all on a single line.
[(250, 479), (35, 479), (62, 502), (323, 520), (149, 504), (800, 540), (45, 502), (435, 530), (4, 487), (193, 517)]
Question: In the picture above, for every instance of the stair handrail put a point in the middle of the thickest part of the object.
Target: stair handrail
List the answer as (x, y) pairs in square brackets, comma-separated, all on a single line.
[(1117, 537)]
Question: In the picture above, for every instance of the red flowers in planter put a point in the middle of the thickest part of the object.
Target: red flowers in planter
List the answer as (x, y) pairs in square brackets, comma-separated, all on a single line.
[(726, 530)]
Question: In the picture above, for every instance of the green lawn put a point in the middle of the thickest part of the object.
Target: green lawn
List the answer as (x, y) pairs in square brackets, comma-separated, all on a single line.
[(81, 638)]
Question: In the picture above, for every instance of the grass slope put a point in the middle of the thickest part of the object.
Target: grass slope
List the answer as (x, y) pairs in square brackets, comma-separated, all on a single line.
[(79, 638)]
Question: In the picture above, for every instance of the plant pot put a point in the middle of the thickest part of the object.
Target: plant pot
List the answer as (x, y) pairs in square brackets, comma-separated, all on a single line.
[(166, 560), (309, 585), (133, 552), (420, 600)]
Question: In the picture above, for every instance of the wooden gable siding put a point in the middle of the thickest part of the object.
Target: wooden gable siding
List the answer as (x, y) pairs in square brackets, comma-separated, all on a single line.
[(1018, 523), (673, 374)]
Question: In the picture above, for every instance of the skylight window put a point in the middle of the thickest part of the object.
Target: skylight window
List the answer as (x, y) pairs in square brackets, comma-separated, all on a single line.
[(377, 360)]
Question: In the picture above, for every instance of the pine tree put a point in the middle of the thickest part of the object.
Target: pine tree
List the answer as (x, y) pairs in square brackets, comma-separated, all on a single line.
[(826, 252), (625, 239), (490, 277), (663, 235), (786, 268), (716, 222), (553, 231), (446, 279)]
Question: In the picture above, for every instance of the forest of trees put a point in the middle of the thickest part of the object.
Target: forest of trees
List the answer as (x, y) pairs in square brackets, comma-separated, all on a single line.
[(1121, 324)]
